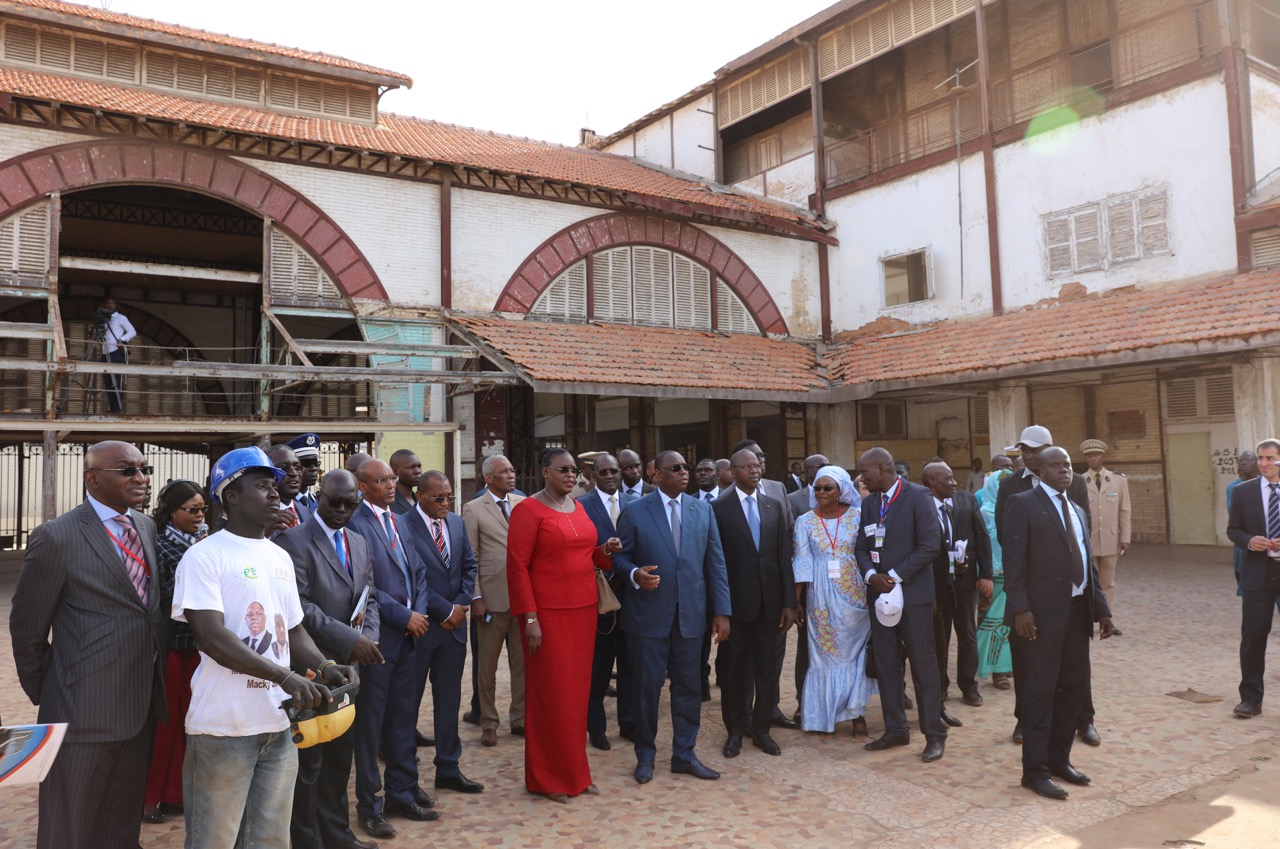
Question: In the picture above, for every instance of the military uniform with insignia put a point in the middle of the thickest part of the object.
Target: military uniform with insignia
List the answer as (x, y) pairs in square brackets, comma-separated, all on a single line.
[(1110, 515), (307, 449)]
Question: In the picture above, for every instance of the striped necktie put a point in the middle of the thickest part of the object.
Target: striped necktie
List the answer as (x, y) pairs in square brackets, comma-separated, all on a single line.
[(135, 561), (441, 545), (1273, 512)]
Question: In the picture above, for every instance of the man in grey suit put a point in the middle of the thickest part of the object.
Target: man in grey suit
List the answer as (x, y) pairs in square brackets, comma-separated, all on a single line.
[(90, 576), (333, 571), (667, 534)]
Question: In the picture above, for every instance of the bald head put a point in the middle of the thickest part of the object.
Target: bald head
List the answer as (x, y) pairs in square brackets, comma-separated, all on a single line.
[(877, 471), (110, 486), (356, 460), (377, 483)]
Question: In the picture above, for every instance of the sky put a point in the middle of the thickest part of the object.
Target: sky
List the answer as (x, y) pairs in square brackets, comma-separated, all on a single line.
[(537, 69)]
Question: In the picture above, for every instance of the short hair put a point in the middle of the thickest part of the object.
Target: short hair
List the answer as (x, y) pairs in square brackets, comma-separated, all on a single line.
[(544, 459), (429, 476), (878, 455), (743, 443), (401, 454), (173, 496), (277, 448), (705, 460), (486, 468), (1270, 442), (662, 456)]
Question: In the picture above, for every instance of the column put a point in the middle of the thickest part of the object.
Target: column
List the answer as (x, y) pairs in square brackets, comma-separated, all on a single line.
[(1008, 412)]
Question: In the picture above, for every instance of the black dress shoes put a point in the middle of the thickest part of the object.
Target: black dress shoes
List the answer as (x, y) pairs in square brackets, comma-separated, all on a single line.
[(423, 740), (517, 731), (377, 826), (422, 797), (694, 767), (600, 741), (644, 773), (1089, 734), (933, 751), (781, 721), (410, 811), (1017, 733), (460, 783), (357, 843), (733, 746), (766, 744), (471, 717), (972, 698), (888, 740), (1248, 710), (951, 720), (1071, 775), (1044, 787)]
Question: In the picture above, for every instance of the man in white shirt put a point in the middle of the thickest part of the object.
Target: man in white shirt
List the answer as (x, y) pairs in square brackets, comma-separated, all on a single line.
[(117, 331), (705, 474)]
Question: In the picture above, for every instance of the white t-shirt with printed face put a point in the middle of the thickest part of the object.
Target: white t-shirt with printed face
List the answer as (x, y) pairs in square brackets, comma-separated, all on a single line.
[(252, 582)]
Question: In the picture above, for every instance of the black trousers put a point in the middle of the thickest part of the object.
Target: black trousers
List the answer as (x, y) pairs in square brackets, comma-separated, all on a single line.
[(915, 630), (1255, 625), (114, 383), (958, 612), (473, 640), (1055, 676), (751, 691), (611, 647), (92, 796), (321, 813)]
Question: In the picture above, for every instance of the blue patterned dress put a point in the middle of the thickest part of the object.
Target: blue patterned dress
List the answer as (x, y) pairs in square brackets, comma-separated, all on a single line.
[(836, 687)]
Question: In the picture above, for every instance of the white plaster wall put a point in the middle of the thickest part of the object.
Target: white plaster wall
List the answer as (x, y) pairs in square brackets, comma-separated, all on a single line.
[(653, 142), (15, 140), (789, 270), (917, 211), (791, 182), (1178, 139), (395, 223), (1264, 97), (696, 138), (494, 234)]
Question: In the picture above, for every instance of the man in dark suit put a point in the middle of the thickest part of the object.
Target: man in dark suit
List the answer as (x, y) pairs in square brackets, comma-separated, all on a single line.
[(898, 542), (961, 572), (292, 511), (1053, 599), (756, 538), (306, 447), (605, 505), (794, 481), (632, 468), (1254, 527), (669, 535), (89, 576), (407, 468), (1032, 443), (441, 543), (390, 693), (333, 572)]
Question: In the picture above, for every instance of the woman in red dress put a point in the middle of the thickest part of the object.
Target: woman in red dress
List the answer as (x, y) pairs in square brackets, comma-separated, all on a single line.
[(551, 560)]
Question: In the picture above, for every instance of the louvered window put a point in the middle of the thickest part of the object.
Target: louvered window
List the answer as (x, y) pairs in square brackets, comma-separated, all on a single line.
[(24, 247), (62, 51), (882, 419), (1266, 247), (566, 297), (660, 288), (297, 279), (1120, 229), (320, 98), (651, 286), (980, 415), (204, 79), (611, 292), (1209, 396), (771, 84), (692, 286), (732, 315), (887, 27)]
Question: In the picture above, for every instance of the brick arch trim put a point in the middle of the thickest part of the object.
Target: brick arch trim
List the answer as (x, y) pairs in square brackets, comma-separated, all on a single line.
[(28, 178), (615, 230)]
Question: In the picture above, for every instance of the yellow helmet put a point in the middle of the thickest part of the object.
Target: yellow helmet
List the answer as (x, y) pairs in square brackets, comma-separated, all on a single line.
[(327, 722)]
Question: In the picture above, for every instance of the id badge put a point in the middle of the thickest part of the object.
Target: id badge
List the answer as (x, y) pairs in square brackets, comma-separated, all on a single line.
[(879, 536), (833, 569), (875, 557), (951, 564)]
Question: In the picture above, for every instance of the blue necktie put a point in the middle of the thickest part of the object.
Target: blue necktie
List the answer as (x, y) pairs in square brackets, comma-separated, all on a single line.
[(342, 551), (753, 521), (1273, 512), (400, 558)]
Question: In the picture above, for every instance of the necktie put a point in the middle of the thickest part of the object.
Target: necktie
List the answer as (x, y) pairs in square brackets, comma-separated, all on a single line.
[(503, 506), (1273, 512), (342, 551), (674, 506), (946, 538), (253, 643), (135, 565), (753, 520), (613, 509), (706, 496), (388, 524), (1097, 481), (1077, 556), (441, 545)]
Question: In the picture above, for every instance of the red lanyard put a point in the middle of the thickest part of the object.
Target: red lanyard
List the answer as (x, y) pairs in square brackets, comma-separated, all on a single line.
[(833, 540), (395, 531), (127, 551), (884, 506)]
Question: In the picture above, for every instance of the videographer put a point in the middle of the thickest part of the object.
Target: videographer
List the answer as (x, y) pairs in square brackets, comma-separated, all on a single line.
[(116, 331)]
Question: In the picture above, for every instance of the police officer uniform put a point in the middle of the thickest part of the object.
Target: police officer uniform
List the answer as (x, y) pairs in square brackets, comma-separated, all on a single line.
[(306, 447)]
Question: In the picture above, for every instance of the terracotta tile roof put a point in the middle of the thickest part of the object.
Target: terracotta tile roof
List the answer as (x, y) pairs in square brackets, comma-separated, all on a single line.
[(719, 365), (1193, 316), (416, 137), (146, 25)]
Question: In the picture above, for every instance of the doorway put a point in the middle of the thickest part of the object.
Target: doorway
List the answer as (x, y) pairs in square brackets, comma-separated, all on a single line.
[(1190, 482)]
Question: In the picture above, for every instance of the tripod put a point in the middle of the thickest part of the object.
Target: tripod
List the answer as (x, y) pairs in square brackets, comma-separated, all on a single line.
[(88, 383)]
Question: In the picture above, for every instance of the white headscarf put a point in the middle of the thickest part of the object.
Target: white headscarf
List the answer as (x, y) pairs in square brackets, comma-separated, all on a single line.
[(848, 493)]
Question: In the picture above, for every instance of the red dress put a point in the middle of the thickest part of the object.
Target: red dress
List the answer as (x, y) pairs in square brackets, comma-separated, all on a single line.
[(551, 560)]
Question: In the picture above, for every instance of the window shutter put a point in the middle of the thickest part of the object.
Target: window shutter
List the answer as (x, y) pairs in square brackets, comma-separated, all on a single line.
[(732, 315), (310, 95), (91, 57), (296, 278), (1153, 215), (20, 44), (651, 286), (283, 92), (122, 63), (1266, 247), (692, 283), (566, 297), (360, 103), (24, 247), (219, 80), (1088, 239), (55, 50), (1057, 238), (611, 276), (1180, 399), (1220, 396), (980, 415), (335, 100), (160, 70), (1122, 230), (248, 86)]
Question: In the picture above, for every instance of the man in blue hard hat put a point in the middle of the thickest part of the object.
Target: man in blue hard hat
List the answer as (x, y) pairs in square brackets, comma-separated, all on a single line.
[(241, 759)]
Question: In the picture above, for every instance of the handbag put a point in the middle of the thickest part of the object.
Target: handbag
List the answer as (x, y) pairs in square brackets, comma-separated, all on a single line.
[(606, 602)]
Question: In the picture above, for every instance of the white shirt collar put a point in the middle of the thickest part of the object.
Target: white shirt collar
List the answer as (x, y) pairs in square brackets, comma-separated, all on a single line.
[(604, 498), (104, 512), (948, 503), (497, 500), (377, 511), (743, 496), (893, 489), (328, 531)]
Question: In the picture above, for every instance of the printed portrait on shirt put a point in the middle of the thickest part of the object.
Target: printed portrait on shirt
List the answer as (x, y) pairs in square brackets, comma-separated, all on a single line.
[(255, 619)]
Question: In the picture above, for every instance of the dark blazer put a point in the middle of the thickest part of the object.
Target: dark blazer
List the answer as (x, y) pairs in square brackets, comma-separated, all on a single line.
[(1244, 522), (402, 505), (912, 541), (389, 583), (604, 526), (799, 503), (775, 490), (328, 593), (966, 524), (1038, 563), (103, 669), (450, 583), (757, 579), (693, 576), (1077, 491), (645, 489), (791, 483)]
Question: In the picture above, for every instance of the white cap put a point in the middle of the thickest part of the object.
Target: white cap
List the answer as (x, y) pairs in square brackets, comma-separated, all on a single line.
[(889, 606), (1035, 436)]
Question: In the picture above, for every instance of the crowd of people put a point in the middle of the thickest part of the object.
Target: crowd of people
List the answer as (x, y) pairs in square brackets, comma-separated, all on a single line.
[(187, 663)]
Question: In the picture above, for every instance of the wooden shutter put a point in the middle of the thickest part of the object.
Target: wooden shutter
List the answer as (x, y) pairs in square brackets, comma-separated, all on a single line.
[(360, 103), (282, 91), (883, 29), (55, 50), (566, 297), (248, 86), (1035, 31), (296, 278), (611, 289), (692, 284), (731, 314), (1057, 241), (1266, 247), (90, 57), (160, 70), (1220, 395), (980, 415), (1122, 229), (310, 95), (122, 63), (651, 286), (24, 247), (220, 80), (20, 44), (1153, 222), (1086, 234), (771, 84), (1180, 398)]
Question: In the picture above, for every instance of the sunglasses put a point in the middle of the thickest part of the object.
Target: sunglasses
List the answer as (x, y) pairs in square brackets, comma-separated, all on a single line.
[(129, 471), (606, 473), (338, 503), (194, 511), (677, 468), (826, 488), (442, 499), (564, 470)]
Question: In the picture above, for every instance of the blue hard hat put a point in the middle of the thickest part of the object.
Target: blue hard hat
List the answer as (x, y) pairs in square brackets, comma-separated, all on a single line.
[(235, 463)]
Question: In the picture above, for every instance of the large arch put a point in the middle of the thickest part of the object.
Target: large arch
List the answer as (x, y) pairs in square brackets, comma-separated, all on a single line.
[(27, 178), (617, 229)]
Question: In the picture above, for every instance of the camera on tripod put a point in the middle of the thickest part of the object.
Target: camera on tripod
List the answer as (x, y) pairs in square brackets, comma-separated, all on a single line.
[(101, 318)]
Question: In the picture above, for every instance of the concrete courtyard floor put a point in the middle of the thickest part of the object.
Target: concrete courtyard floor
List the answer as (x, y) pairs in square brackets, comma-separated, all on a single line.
[(1169, 772)]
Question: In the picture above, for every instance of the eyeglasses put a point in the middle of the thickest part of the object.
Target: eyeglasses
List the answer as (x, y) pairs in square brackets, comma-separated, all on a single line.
[(289, 467), (129, 471), (564, 470), (339, 503), (194, 511), (676, 469), (441, 499), (606, 473), (826, 488), (381, 481)]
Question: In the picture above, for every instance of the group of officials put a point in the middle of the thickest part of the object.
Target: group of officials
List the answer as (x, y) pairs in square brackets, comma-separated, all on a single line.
[(368, 581)]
